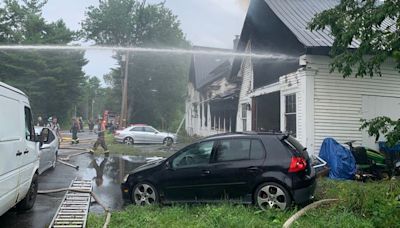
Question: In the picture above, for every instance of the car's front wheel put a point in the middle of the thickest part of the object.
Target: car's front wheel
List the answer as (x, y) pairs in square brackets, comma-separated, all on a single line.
[(144, 194), (128, 141), (272, 195), (168, 141)]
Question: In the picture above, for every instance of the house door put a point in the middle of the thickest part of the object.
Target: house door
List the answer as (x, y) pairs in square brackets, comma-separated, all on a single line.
[(374, 106)]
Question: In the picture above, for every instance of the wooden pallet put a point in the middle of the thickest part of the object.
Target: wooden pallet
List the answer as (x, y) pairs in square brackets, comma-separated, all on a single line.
[(74, 208)]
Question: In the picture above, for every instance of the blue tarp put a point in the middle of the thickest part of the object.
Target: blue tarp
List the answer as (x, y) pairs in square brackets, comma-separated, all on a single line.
[(340, 160)]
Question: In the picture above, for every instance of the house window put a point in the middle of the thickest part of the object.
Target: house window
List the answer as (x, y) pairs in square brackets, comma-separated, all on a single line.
[(205, 114), (195, 112), (244, 116), (201, 115), (290, 113)]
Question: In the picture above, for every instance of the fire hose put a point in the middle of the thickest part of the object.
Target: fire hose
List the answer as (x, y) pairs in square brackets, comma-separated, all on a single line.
[(300, 213)]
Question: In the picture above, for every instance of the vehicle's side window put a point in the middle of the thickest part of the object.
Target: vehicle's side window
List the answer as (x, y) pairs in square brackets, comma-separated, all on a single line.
[(51, 137), (45, 135), (137, 129), (149, 129), (196, 155), (257, 150), (29, 132), (233, 149)]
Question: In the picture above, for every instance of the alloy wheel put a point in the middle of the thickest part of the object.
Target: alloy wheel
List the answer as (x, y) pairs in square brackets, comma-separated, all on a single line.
[(144, 194), (272, 196), (128, 141)]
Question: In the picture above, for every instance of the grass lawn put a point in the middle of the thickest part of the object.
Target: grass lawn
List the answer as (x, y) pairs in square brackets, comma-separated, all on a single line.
[(118, 148), (361, 205)]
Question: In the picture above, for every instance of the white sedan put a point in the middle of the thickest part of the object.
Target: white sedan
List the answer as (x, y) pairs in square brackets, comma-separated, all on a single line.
[(144, 134), (49, 145)]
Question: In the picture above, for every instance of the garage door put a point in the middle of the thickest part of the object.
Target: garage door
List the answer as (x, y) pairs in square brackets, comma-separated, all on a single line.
[(374, 106)]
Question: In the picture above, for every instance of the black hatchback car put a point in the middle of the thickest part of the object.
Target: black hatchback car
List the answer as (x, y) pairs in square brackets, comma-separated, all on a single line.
[(266, 169)]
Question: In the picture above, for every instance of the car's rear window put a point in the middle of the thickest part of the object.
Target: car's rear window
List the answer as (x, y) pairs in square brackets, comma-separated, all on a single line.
[(295, 146)]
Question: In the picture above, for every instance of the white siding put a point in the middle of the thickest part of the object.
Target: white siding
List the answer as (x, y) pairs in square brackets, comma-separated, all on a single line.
[(246, 73), (338, 101), (295, 83)]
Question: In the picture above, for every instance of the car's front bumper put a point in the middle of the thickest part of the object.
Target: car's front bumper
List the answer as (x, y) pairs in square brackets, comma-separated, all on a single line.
[(125, 191), (306, 194), (119, 139)]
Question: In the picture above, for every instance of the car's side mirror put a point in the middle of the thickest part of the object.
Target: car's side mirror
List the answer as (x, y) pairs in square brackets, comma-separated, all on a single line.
[(156, 132), (168, 165), (45, 146)]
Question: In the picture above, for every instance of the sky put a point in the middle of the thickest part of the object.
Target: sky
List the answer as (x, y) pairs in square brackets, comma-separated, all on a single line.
[(211, 23)]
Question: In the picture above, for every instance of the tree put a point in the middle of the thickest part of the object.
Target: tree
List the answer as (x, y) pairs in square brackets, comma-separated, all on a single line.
[(363, 21), (156, 82), (51, 79)]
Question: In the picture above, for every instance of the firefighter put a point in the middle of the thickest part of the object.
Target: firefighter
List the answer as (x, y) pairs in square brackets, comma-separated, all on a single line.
[(100, 137), (75, 129)]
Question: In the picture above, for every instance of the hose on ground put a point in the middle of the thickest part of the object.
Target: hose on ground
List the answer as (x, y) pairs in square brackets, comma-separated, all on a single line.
[(95, 197), (300, 213)]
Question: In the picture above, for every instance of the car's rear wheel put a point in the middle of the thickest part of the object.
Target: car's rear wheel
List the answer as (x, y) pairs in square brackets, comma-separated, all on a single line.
[(144, 194), (30, 198), (168, 141), (128, 141), (272, 195)]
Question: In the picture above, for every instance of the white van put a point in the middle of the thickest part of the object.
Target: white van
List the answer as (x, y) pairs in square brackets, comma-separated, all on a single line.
[(19, 157)]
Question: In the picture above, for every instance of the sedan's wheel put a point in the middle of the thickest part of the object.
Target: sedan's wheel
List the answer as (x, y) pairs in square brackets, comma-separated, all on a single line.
[(144, 194), (272, 195), (168, 141), (128, 141)]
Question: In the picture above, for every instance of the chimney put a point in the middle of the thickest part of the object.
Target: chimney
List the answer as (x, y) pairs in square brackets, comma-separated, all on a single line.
[(236, 42)]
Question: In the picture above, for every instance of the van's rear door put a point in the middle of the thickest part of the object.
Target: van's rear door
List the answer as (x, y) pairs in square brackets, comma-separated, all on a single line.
[(10, 148)]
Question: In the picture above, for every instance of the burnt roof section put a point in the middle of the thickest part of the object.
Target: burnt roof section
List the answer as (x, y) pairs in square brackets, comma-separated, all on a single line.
[(205, 68)]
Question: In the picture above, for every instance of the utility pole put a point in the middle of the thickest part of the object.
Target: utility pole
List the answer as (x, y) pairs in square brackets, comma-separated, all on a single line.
[(124, 103), (92, 109)]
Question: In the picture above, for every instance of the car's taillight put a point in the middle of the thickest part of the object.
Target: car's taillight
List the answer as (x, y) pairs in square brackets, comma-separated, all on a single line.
[(297, 164)]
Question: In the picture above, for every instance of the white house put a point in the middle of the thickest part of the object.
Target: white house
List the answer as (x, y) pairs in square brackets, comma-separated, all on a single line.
[(211, 103), (299, 94)]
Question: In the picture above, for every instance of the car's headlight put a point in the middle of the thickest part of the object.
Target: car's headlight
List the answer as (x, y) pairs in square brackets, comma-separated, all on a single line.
[(125, 178)]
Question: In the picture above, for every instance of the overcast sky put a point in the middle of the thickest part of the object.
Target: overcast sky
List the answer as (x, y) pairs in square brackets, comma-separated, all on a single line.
[(211, 23)]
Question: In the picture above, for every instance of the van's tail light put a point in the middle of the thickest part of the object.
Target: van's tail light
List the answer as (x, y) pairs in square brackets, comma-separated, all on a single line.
[(297, 164)]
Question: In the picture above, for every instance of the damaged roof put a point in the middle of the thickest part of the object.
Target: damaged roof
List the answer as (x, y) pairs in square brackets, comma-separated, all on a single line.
[(205, 69)]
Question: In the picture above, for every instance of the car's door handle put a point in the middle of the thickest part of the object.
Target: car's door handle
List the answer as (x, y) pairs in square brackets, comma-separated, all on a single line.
[(26, 151), (205, 172), (253, 169), (19, 153)]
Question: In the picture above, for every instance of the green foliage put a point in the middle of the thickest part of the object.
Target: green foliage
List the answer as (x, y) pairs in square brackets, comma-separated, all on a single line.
[(383, 125), (156, 82), (132, 23), (362, 21), (51, 79), (372, 204)]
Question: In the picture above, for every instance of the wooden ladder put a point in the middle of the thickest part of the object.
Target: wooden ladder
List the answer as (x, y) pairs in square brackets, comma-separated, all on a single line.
[(74, 207)]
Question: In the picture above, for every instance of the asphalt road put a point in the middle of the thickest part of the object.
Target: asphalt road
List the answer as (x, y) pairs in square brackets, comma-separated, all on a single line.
[(106, 174)]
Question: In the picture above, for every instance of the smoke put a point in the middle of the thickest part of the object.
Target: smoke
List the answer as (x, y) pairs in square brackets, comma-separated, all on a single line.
[(244, 4)]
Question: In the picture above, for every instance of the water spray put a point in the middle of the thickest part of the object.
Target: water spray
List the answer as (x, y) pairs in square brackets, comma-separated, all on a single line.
[(148, 50)]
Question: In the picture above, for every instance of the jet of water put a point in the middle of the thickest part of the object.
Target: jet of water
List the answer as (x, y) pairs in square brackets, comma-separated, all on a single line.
[(149, 50)]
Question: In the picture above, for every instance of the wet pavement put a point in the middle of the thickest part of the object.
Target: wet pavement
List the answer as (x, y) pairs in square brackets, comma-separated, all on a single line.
[(105, 172)]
